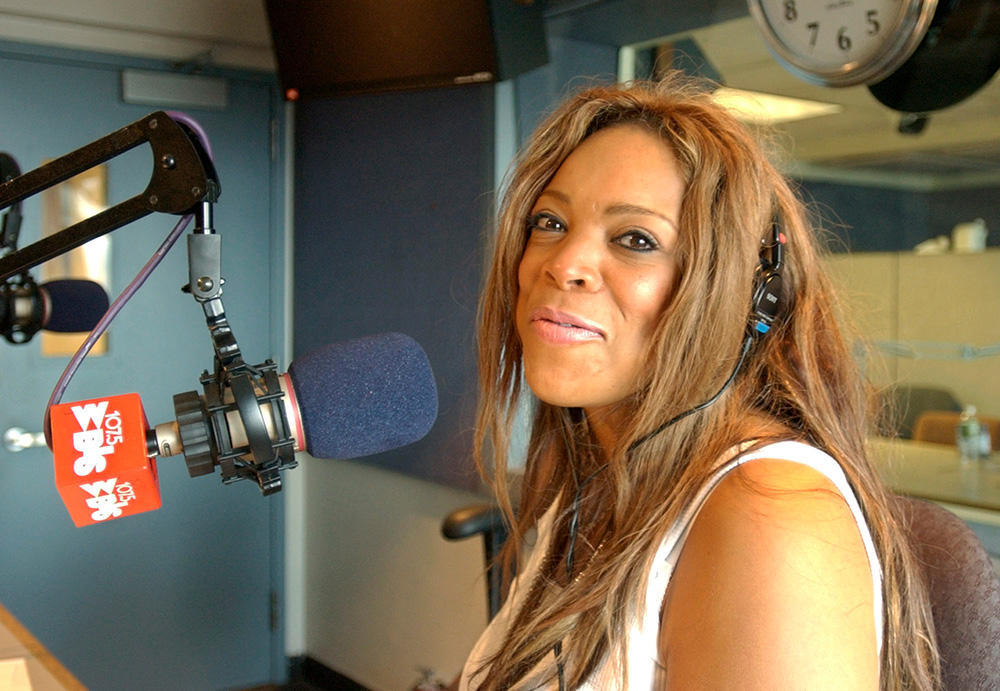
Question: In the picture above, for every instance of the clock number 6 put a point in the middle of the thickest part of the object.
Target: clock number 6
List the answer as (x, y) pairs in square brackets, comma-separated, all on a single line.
[(843, 40)]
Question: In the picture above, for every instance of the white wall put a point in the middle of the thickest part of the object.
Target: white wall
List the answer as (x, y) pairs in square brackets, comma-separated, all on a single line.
[(385, 592)]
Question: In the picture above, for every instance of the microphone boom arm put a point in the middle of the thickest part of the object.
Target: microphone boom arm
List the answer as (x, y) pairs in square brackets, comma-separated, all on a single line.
[(183, 176)]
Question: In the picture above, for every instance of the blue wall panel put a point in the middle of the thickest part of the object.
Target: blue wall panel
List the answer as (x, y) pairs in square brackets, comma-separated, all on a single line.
[(176, 598), (392, 193)]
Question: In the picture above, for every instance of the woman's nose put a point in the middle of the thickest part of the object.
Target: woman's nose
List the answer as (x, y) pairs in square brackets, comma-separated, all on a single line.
[(575, 264)]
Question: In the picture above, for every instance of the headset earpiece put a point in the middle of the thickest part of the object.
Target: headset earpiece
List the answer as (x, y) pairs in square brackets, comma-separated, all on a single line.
[(766, 307), (767, 300)]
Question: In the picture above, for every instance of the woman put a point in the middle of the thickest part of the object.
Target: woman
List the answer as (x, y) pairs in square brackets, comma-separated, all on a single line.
[(679, 545)]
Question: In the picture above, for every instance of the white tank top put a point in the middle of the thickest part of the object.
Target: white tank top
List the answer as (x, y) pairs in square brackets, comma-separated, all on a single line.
[(643, 640)]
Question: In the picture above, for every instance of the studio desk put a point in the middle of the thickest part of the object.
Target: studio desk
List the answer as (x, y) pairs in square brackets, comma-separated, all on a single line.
[(25, 664), (934, 472)]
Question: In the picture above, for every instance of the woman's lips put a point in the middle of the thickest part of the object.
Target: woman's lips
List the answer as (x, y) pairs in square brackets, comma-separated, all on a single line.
[(555, 326)]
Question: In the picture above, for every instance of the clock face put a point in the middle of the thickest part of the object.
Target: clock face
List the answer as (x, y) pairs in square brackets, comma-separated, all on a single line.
[(843, 42)]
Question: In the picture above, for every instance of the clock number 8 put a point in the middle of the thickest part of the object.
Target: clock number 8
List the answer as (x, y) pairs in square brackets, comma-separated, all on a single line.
[(791, 14)]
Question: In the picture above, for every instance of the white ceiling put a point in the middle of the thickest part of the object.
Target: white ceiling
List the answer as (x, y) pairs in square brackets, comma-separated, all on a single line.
[(234, 32)]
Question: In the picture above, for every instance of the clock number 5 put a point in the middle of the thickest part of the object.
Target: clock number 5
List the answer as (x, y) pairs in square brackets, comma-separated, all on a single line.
[(873, 25)]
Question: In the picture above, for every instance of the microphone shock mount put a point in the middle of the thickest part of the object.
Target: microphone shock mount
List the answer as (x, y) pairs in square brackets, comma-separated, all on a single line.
[(261, 445)]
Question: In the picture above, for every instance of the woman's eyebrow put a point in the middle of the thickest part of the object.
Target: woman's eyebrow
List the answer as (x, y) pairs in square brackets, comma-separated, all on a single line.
[(622, 209), (561, 196), (630, 209)]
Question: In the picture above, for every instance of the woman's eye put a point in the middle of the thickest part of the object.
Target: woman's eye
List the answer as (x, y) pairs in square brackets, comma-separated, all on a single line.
[(546, 221), (637, 241)]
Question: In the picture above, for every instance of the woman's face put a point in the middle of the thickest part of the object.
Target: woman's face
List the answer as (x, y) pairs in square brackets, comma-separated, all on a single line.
[(599, 268)]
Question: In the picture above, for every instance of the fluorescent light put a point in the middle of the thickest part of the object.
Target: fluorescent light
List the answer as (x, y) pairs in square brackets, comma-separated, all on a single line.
[(768, 109), (14, 674)]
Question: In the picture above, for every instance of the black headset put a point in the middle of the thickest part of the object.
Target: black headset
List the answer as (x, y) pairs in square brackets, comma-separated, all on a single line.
[(767, 301)]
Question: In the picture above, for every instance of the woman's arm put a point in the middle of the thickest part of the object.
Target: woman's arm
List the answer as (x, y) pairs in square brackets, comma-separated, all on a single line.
[(772, 590)]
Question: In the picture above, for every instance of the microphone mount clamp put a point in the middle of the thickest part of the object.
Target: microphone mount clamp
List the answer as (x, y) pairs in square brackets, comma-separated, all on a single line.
[(233, 387)]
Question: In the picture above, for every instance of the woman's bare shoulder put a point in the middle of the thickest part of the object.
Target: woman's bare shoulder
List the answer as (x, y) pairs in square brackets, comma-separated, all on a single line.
[(772, 589)]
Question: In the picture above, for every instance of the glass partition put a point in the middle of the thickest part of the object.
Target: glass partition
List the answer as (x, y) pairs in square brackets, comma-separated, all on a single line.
[(913, 216)]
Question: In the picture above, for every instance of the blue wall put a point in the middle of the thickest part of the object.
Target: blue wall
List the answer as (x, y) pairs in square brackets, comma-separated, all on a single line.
[(392, 193), (393, 198), (573, 65), (176, 598)]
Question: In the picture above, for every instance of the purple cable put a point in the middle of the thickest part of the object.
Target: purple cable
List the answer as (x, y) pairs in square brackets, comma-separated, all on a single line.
[(130, 290), (199, 132)]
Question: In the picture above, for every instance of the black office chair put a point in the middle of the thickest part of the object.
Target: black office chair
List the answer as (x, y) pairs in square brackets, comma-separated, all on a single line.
[(486, 520), (965, 595)]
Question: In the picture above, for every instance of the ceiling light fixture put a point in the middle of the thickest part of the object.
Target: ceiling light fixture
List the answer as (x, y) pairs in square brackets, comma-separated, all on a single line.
[(768, 109)]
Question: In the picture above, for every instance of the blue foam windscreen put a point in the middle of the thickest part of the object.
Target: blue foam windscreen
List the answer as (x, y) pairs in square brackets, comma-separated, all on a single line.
[(74, 305), (364, 396)]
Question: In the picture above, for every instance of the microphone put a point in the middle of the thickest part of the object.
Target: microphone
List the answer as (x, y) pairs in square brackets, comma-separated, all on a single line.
[(344, 400), (63, 306), (364, 396)]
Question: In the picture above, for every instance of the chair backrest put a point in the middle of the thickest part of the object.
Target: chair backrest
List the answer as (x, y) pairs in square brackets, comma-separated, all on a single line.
[(965, 595), (908, 402), (939, 426)]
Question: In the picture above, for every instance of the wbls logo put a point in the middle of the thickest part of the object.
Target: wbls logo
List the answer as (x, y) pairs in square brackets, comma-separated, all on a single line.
[(99, 432), (102, 466)]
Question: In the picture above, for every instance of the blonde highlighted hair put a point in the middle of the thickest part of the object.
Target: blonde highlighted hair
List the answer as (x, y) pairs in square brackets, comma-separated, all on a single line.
[(801, 375)]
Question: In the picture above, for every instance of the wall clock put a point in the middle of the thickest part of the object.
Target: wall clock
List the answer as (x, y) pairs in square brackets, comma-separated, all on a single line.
[(843, 42), (916, 56)]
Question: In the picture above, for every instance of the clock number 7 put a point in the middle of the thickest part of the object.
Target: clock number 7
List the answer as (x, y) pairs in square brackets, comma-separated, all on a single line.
[(814, 29), (873, 25)]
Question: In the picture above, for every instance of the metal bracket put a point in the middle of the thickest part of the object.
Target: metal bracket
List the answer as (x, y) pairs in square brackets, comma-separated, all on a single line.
[(205, 266)]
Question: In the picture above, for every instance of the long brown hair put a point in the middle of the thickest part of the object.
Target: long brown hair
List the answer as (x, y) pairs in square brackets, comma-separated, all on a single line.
[(801, 375)]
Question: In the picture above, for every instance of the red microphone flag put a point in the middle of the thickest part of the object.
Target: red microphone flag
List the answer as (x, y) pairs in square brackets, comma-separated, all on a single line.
[(103, 470)]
